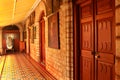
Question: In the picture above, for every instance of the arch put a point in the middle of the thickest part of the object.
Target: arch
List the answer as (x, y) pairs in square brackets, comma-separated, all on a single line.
[(10, 27), (43, 4), (11, 38), (40, 10), (42, 15), (19, 26)]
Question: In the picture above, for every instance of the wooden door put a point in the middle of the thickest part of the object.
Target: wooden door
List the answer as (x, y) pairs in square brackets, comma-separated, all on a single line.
[(87, 40), (97, 39), (105, 39), (42, 43)]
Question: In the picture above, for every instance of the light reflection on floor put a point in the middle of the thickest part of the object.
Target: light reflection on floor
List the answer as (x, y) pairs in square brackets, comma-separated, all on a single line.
[(17, 67)]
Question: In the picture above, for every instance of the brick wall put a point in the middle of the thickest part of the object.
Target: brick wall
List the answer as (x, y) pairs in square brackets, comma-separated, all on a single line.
[(59, 62), (117, 61), (34, 47)]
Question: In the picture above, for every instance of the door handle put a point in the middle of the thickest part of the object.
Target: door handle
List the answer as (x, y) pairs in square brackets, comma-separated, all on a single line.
[(97, 56)]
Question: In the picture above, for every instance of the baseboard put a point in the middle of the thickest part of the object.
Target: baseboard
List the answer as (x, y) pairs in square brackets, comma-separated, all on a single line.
[(42, 69)]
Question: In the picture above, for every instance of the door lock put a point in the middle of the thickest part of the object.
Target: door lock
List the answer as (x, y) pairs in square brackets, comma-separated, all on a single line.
[(97, 56)]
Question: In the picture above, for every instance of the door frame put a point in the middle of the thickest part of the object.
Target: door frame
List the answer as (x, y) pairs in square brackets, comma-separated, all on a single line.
[(76, 42)]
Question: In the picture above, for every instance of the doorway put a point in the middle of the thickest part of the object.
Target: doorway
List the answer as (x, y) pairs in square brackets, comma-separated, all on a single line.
[(42, 40), (94, 39), (10, 39), (29, 32)]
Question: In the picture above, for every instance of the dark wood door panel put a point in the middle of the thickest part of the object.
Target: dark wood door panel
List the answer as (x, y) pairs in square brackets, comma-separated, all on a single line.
[(86, 11), (86, 68), (87, 63), (87, 54), (105, 71), (104, 6), (87, 36), (105, 40), (105, 15), (85, 20), (104, 29), (106, 57)]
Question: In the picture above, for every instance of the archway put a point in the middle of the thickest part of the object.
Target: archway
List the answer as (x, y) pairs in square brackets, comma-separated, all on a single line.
[(11, 32), (42, 38)]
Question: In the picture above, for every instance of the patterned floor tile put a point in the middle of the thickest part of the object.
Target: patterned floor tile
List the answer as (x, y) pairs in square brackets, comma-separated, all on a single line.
[(17, 67)]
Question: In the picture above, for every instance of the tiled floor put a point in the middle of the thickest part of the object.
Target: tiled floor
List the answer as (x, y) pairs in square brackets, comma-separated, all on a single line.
[(17, 67)]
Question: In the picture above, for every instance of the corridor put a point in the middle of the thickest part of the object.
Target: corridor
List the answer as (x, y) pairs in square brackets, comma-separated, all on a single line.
[(18, 67), (60, 40)]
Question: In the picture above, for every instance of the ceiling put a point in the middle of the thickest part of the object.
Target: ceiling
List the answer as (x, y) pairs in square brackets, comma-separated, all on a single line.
[(14, 11)]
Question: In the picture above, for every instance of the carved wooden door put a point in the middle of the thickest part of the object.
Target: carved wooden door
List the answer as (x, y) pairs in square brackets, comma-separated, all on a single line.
[(87, 40), (105, 39), (97, 39)]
